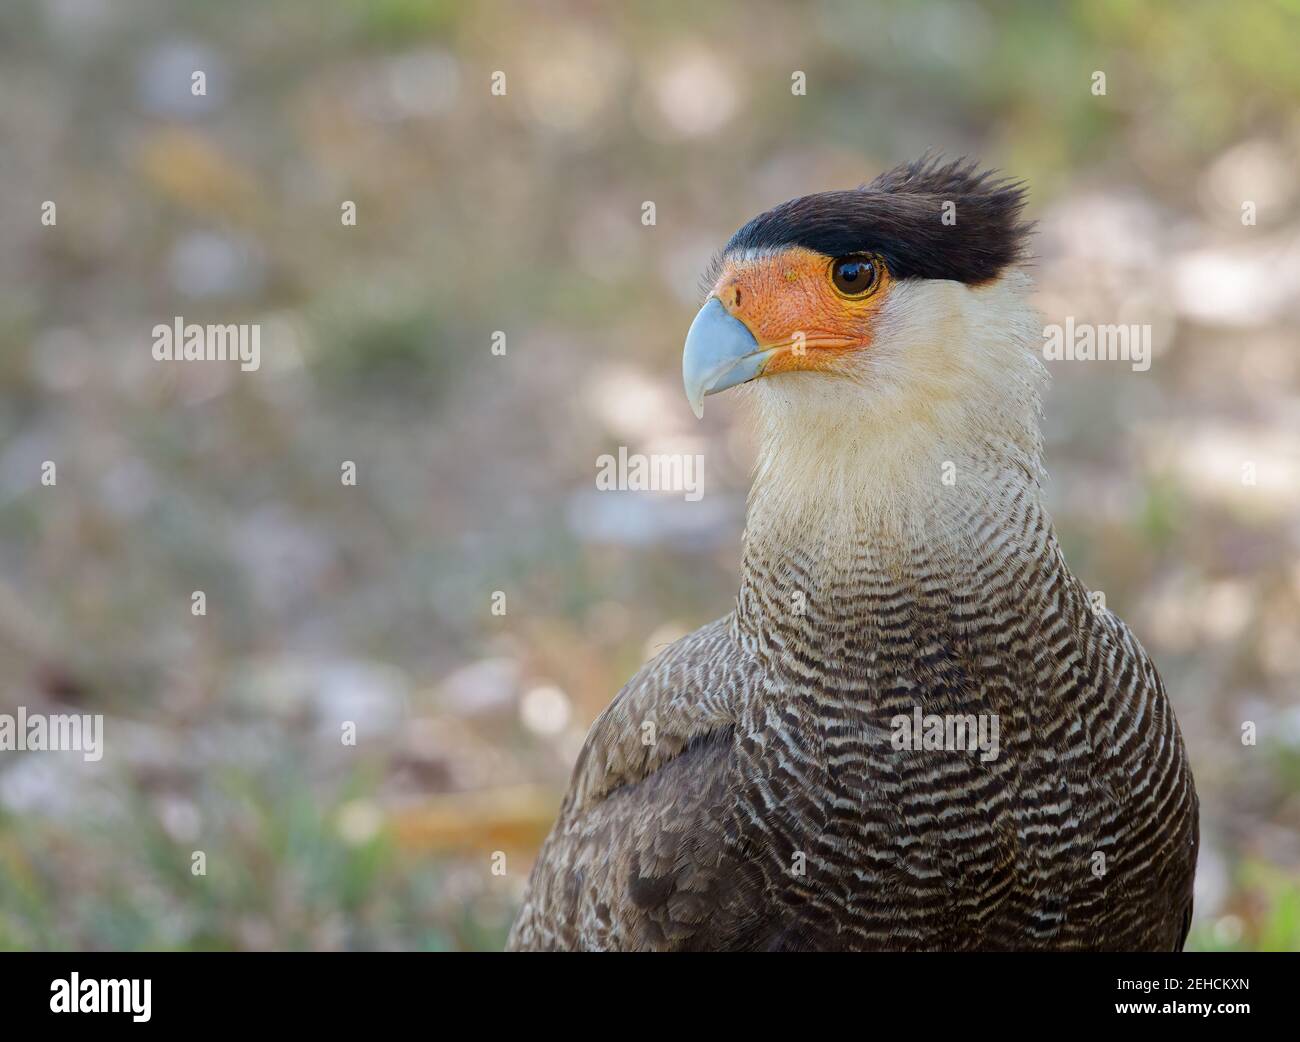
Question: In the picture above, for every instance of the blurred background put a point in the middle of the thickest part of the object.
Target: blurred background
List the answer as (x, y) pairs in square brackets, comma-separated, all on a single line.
[(475, 472)]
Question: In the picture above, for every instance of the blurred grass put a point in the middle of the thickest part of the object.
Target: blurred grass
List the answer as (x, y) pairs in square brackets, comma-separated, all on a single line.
[(1268, 919), (281, 875)]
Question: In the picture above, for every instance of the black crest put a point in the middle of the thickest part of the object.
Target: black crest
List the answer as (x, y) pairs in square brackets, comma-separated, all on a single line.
[(900, 216)]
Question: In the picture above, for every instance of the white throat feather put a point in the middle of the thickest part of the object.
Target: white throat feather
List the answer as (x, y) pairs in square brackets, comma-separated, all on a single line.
[(938, 423)]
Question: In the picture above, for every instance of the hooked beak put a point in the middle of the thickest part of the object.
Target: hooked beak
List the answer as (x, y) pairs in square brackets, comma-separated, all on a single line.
[(720, 352)]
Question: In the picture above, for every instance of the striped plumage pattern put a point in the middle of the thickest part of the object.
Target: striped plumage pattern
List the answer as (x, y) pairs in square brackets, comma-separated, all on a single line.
[(772, 738), (745, 791)]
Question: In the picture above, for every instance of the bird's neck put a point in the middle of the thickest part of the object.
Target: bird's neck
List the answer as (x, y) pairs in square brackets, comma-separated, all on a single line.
[(923, 474), (846, 521)]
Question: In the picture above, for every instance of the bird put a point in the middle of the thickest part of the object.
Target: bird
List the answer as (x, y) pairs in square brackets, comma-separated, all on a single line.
[(917, 729)]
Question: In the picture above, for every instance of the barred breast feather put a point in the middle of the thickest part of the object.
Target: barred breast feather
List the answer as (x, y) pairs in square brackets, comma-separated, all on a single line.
[(743, 792)]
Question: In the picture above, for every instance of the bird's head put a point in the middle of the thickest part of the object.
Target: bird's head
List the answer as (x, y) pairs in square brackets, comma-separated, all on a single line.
[(894, 315)]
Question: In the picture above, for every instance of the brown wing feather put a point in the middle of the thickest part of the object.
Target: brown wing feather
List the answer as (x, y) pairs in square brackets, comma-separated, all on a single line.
[(643, 854)]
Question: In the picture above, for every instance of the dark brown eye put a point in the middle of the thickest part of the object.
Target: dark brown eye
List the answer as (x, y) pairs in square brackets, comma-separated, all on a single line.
[(854, 276)]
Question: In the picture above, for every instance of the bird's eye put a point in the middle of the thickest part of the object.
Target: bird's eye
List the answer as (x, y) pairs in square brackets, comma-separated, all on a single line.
[(854, 276)]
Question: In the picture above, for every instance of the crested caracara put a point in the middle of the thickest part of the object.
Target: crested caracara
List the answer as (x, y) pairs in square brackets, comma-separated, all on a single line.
[(917, 729)]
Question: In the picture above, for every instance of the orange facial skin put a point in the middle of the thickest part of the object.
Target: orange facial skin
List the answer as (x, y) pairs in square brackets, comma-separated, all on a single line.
[(789, 302)]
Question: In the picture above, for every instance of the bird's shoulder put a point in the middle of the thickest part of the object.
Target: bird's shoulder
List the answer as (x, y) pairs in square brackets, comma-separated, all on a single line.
[(1130, 674), (688, 691), (1152, 778), (640, 856)]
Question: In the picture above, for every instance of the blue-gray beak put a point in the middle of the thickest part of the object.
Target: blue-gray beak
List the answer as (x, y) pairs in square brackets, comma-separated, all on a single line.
[(719, 353)]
